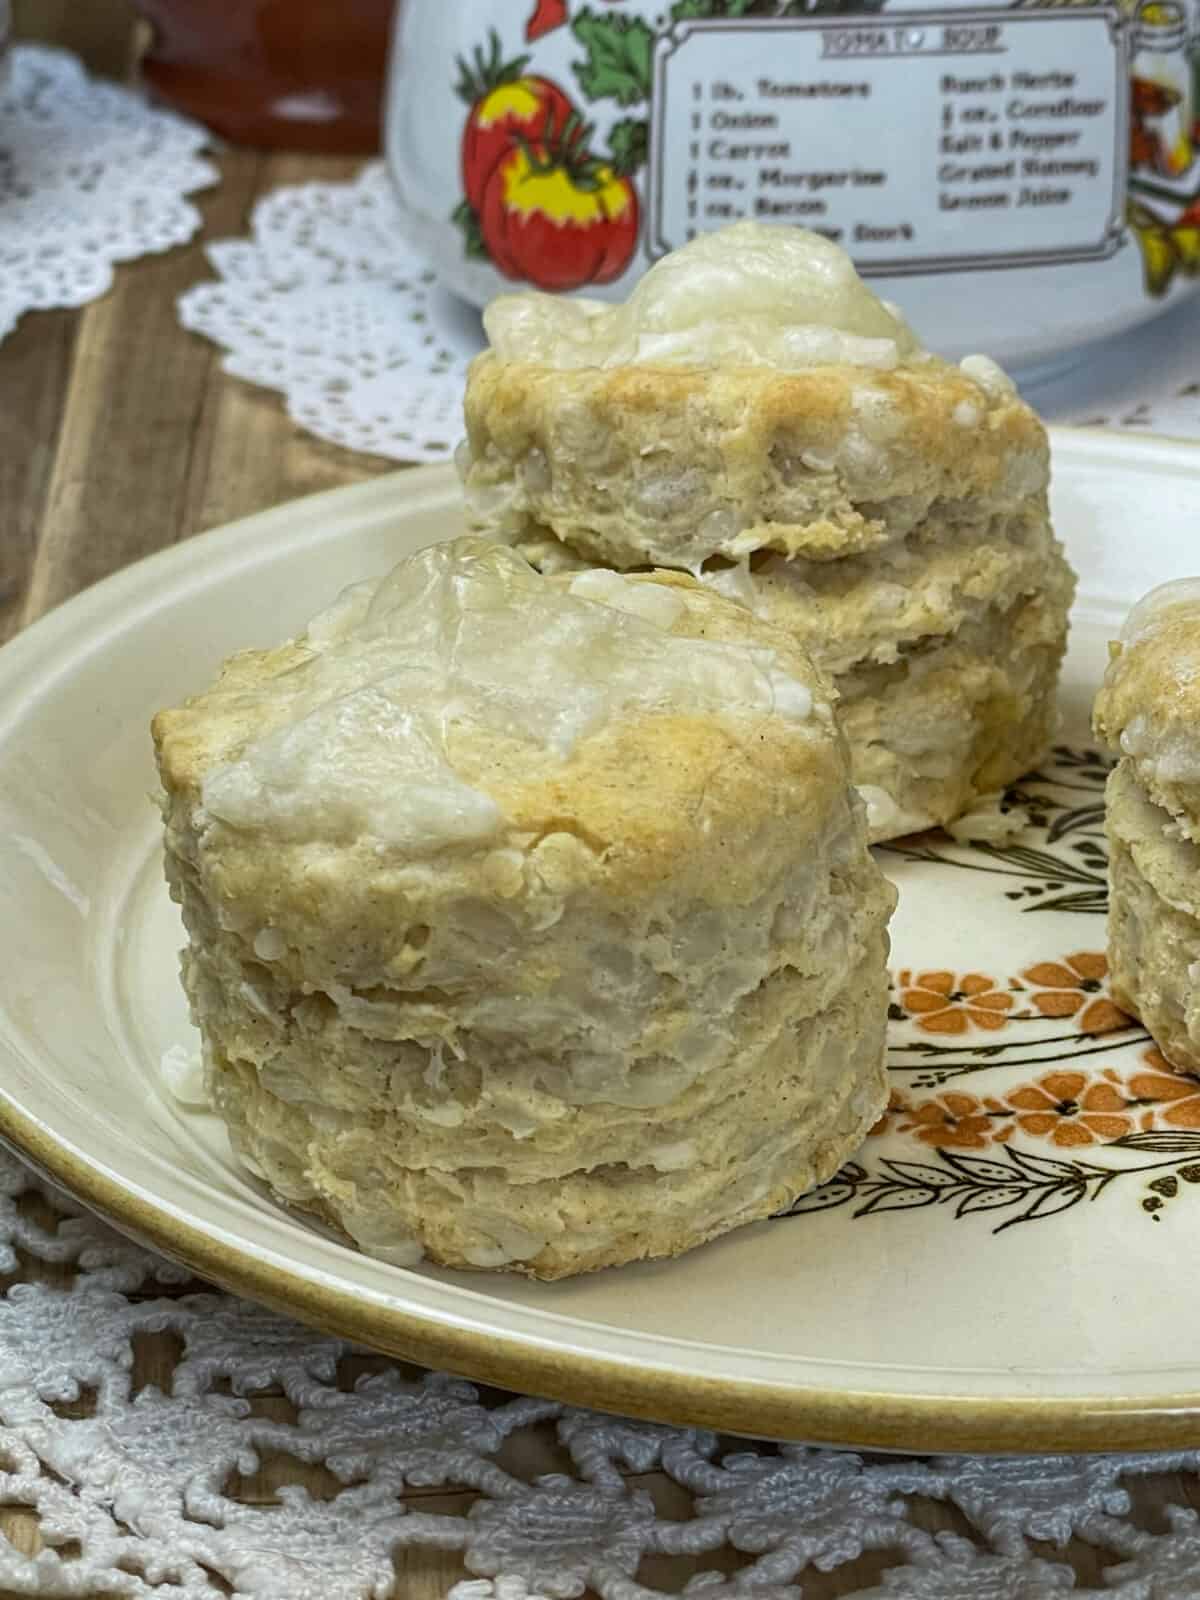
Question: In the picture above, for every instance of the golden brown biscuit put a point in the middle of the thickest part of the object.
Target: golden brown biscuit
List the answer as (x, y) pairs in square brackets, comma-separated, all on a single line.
[(945, 659), (1154, 919), (531, 921), (1149, 706), (833, 476), (639, 465), (1149, 711)]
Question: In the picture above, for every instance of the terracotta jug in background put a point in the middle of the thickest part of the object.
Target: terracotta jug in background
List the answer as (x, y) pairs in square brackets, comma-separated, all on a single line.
[(292, 74)]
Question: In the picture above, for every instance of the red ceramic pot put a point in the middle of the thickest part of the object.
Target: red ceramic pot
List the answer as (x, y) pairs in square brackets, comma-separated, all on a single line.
[(292, 74)]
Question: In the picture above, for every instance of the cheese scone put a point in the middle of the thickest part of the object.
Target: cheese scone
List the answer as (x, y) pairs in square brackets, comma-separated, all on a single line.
[(531, 920), (1149, 711), (756, 416)]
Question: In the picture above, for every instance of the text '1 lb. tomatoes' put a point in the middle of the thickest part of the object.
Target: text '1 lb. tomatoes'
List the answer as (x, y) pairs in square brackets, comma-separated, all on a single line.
[(557, 217), (505, 105)]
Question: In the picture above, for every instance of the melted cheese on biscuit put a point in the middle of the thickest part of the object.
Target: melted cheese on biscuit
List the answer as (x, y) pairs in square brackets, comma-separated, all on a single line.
[(465, 642), (751, 294)]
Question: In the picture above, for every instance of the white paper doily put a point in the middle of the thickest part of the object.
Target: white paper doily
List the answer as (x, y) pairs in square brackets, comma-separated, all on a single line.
[(326, 303), (134, 1489), (89, 175)]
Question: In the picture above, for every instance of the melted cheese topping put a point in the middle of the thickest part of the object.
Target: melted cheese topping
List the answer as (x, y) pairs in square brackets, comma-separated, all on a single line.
[(464, 641), (991, 379), (1155, 608), (751, 294)]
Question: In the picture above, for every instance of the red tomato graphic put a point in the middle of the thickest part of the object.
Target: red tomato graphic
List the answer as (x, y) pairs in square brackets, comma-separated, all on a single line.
[(558, 219), (507, 104), (547, 15)]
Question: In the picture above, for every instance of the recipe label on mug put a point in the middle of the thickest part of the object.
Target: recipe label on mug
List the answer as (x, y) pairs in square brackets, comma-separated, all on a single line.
[(1024, 176), (1012, 148)]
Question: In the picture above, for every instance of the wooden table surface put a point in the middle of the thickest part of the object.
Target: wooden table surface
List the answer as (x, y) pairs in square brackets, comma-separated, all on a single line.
[(118, 432), (119, 435)]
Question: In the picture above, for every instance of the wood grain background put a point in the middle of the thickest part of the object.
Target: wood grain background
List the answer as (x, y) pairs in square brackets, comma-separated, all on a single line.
[(118, 432)]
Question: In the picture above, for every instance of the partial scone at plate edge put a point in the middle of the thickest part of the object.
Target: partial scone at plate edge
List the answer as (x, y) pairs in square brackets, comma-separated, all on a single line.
[(1148, 711)]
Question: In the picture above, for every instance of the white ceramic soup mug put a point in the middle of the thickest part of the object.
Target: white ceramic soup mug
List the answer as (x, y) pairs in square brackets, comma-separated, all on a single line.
[(1021, 179)]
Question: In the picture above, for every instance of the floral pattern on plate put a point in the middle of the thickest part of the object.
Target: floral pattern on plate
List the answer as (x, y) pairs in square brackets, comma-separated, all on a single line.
[(1019, 1086)]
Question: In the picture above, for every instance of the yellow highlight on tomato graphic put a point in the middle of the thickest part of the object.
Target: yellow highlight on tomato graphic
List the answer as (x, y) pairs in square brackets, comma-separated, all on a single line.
[(521, 101), (529, 188), (506, 104), (558, 218)]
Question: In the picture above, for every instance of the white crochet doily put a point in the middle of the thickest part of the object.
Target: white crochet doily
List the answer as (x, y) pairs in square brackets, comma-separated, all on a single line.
[(327, 303), (133, 1491), (89, 175)]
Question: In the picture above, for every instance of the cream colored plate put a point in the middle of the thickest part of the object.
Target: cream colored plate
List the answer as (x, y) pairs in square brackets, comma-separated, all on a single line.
[(982, 1275)]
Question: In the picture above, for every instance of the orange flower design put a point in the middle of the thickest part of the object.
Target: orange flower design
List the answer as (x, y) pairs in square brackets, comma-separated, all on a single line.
[(941, 1003), (956, 1121), (896, 1104), (1063, 989), (1157, 1062), (1175, 1096), (1070, 1111)]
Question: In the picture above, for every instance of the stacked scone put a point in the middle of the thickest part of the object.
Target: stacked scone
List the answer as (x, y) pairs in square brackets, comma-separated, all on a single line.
[(755, 416), (1149, 711), (531, 920)]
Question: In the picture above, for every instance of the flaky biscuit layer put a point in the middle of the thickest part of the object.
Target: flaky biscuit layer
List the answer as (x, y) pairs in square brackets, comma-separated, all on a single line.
[(669, 467), (649, 1007), (1154, 918)]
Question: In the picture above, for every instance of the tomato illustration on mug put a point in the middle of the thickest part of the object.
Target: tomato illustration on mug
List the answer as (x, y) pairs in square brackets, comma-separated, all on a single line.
[(538, 201), (547, 201)]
